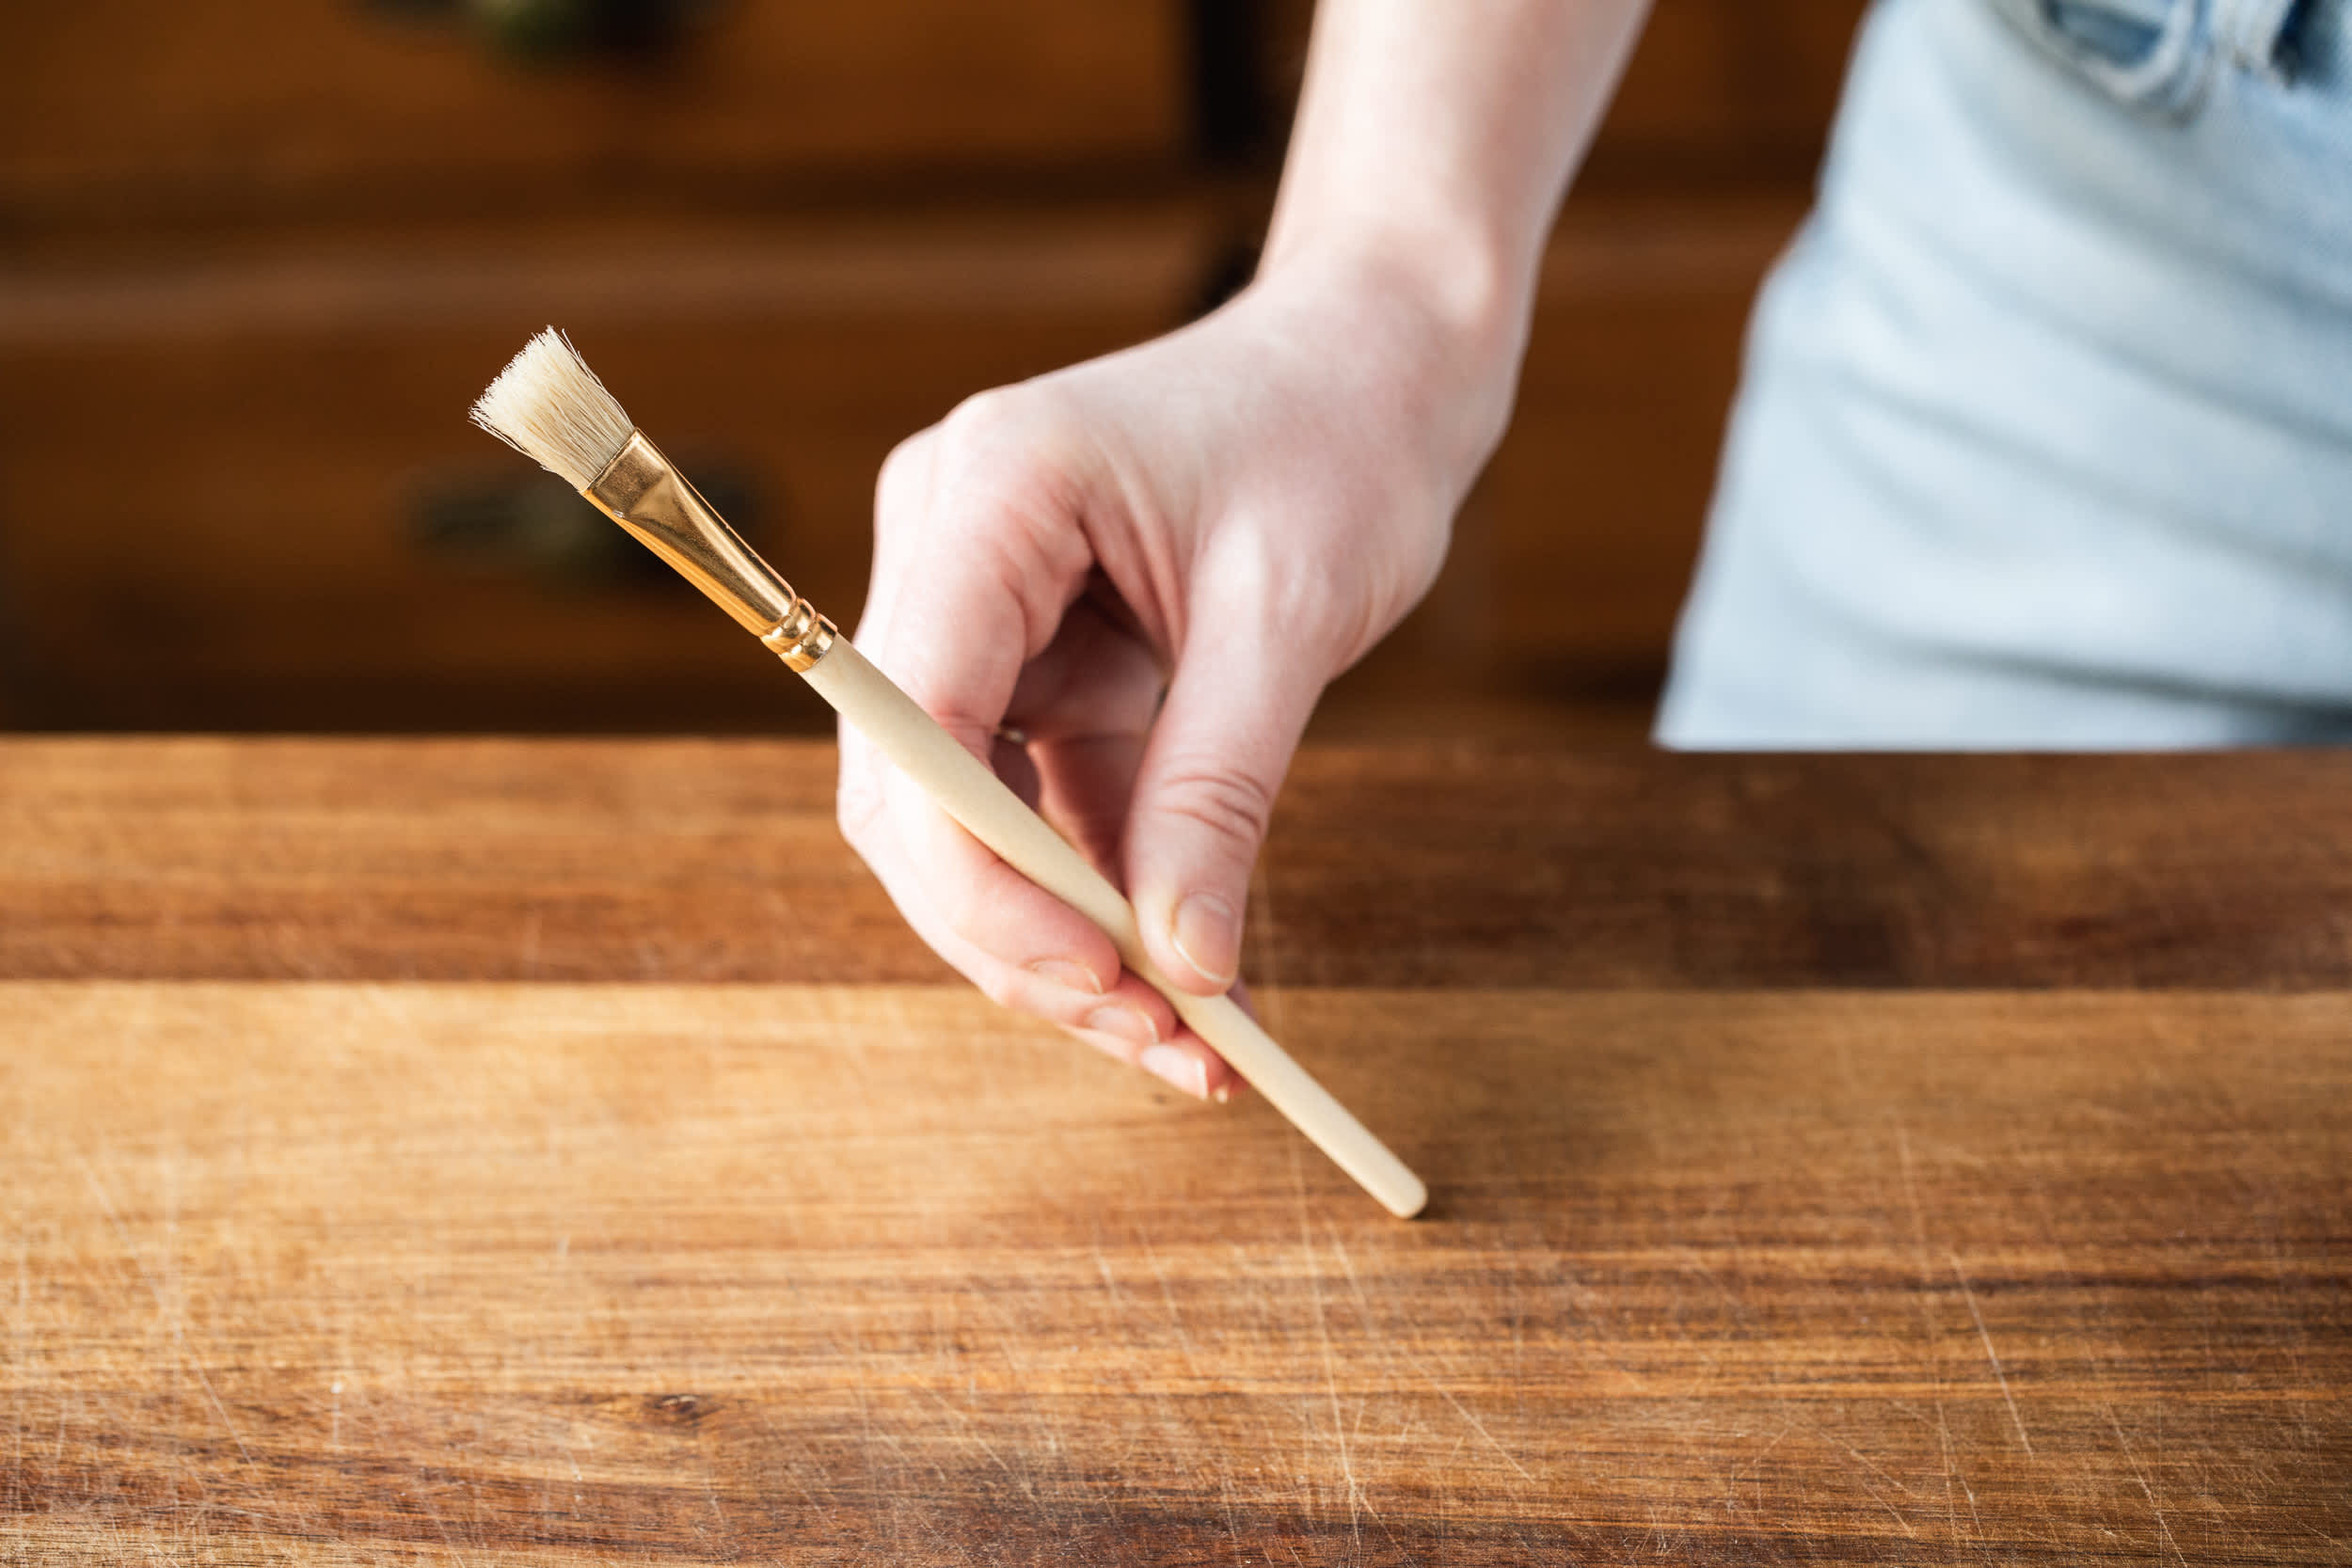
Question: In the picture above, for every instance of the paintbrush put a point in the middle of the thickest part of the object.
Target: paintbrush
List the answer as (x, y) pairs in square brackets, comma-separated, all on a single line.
[(549, 406)]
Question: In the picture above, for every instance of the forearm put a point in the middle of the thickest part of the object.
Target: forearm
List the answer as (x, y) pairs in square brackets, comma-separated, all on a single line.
[(1432, 143)]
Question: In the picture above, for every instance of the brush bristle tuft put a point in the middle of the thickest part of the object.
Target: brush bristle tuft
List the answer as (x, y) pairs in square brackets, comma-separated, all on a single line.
[(549, 405)]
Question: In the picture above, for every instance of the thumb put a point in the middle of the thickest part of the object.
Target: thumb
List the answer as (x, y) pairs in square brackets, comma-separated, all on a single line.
[(1204, 795)]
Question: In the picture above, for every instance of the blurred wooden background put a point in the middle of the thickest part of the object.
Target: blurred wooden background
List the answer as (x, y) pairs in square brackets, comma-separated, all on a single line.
[(258, 255)]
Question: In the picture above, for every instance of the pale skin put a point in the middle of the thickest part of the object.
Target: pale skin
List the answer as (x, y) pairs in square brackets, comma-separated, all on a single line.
[(1147, 567)]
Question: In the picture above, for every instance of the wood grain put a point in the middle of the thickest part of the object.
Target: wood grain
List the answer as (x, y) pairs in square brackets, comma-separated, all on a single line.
[(505, 1152), (556, 1274), (1395, 865)]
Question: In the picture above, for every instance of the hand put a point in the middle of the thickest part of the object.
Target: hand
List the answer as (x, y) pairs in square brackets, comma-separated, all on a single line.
[(1124, 585)]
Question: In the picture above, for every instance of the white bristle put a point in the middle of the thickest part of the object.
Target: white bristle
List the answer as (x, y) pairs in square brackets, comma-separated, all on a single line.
[(549, 405)]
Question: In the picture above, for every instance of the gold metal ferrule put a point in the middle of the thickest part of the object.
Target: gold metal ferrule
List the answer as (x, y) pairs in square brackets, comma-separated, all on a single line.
[(641, 491)]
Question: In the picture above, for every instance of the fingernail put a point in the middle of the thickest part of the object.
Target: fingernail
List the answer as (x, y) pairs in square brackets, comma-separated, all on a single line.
[(1180, 1070), (1063, 972), (1207, 933), (1125, 1022), (1223, 1094)]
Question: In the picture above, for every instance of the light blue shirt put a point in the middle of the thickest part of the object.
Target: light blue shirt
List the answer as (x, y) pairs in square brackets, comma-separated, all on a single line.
[(2046, 440)]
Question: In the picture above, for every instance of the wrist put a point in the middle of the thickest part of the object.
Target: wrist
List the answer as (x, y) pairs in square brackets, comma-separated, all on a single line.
[(1440, 327)]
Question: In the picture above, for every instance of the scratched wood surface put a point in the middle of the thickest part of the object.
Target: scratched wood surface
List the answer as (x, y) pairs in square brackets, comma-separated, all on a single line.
[(1415, 867), (482, 1153)]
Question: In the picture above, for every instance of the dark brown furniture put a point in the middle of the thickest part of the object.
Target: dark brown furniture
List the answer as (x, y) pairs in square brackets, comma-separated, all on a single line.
[(258, 255)]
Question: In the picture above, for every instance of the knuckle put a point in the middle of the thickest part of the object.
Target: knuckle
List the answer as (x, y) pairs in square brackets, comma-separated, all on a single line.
[(1280, 587), (1235, 806), (899, 486), (1308, 606), (984, 422), (1004, 456)]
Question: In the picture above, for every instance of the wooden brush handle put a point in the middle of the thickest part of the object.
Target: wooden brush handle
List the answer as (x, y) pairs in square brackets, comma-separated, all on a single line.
[(967, 790)]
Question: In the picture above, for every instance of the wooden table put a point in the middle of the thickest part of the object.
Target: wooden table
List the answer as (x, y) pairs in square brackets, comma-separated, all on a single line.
[(501, 1154)]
